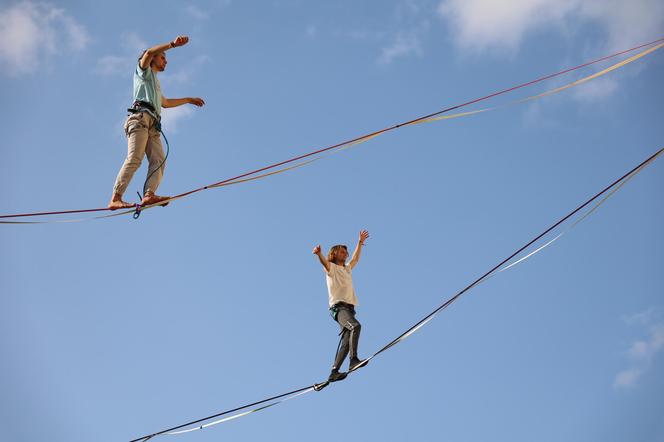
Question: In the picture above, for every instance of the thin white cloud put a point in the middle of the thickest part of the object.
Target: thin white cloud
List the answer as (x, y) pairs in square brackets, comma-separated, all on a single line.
[(184, 74), (627, 378), (478, 26), (413, 24), (196, 12), (132, 46), (171, 117), (133, 42), (32, 33), (641, 352), (536, 116), (401, 38), (365, 34), (487, 24), (113, 65), (643, 318), (596, 90), (77, 34), (406, 9), (626, 22), (201, 13), (404, 44)]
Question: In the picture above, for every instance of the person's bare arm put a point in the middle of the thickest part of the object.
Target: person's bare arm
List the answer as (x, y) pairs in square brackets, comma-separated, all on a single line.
[(174, 102), (322, 258), (358, 249), (146, 59)]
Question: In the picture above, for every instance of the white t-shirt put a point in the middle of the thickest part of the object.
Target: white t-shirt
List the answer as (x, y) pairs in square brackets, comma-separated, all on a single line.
[(340, 285)]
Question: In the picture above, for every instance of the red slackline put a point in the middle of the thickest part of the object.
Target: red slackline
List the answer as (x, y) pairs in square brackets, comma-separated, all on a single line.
[(378, 132)]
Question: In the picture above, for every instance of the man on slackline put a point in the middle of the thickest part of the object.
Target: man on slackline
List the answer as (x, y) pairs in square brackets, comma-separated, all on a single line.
[(143, 125)]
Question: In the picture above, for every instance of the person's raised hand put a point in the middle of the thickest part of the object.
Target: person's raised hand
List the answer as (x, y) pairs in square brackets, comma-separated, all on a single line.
[(364, 235), (180, 40)]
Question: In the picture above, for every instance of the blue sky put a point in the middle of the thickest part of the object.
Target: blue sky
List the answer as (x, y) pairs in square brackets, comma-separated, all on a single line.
[(117, 328)]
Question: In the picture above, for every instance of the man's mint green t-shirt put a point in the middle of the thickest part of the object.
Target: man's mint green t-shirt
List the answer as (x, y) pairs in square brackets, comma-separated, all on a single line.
[(147, 87)]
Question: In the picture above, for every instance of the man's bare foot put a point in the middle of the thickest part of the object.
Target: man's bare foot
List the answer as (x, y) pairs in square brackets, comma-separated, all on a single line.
[(117, 203), (150, 198)]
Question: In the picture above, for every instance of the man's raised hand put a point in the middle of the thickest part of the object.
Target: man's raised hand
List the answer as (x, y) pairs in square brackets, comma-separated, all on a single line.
[(316, 250), (364, 235), (180, 40)]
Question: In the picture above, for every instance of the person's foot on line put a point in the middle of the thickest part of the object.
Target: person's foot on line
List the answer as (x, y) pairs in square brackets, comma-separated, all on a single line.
[(356, 363), (319, 387), (336, 376), (117, 203), (150, 198)]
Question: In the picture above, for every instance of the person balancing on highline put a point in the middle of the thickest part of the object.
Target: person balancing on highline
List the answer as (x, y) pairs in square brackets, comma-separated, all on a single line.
[(143, 126), (342, 301)]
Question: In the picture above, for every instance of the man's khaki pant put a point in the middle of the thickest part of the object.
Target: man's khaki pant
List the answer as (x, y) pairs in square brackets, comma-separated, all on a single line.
[(143, 139)]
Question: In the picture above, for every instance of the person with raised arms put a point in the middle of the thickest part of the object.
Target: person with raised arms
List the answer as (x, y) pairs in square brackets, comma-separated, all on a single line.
[(143, 125), (342, 301)]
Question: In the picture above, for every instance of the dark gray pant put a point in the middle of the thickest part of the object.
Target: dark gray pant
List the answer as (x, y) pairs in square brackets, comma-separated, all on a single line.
[(350, 334)]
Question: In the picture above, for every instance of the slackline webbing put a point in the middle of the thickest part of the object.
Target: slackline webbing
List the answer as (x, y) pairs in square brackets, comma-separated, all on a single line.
[(241, 177), (608, 190)]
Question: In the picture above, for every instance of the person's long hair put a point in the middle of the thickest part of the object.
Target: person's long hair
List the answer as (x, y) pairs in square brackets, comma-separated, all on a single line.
[(331, 255)]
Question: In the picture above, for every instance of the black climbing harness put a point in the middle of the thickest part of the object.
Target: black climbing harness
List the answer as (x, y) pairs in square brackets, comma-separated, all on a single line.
[(334, 310)]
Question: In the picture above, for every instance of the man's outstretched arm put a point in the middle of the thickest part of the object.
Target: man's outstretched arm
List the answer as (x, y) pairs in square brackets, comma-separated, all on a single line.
[(146, 59), (174, 102)]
